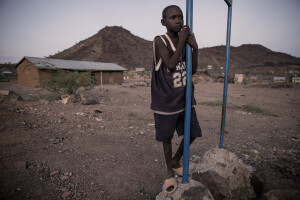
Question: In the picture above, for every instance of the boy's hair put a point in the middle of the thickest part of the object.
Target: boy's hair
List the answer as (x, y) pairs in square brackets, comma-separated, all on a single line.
[(164, 12)]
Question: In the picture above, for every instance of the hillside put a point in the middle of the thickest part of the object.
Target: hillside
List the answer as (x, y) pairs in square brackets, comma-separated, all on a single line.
[(112, 44), (248, 58), (118, 45)]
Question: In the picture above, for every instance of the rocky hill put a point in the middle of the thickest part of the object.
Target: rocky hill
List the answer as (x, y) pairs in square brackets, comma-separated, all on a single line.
[(248, 58), (118, 45), (112, 44)]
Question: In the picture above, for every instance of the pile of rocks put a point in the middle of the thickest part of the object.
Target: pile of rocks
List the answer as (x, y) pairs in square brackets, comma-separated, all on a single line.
[(220, 174)]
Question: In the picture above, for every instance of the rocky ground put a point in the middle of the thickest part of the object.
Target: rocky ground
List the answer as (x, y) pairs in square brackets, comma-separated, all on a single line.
[(49, 150)]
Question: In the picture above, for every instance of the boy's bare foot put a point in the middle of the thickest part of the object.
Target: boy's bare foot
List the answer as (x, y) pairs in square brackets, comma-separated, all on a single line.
[(176, 167)]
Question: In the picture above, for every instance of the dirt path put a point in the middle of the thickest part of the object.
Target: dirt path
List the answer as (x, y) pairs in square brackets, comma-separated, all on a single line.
[(108, 151)]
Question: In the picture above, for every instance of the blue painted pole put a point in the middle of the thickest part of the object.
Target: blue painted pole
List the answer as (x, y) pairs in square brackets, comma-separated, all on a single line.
[(229, 3), (188, 96)]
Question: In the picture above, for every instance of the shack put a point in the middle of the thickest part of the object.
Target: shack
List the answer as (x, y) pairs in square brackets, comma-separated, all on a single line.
[(279, 79), (32, 69), (238, 78)]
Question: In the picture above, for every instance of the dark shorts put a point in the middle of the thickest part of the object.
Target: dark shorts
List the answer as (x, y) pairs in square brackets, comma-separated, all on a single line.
[(165, 125)]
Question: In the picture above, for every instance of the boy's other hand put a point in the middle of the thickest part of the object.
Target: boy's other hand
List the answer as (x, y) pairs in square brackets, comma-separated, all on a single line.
[(191, 40), (184, 33)]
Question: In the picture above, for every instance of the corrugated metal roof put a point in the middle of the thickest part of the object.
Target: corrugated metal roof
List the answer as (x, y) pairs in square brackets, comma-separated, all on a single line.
[(50, 63)]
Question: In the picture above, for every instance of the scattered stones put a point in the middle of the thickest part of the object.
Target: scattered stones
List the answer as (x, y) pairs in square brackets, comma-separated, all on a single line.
[(80, 113), (253, 151), (44, 101), (64, 178), (140, 84), (63, 189), (296, 139), (98, 119), (66, 194), (54, 173)]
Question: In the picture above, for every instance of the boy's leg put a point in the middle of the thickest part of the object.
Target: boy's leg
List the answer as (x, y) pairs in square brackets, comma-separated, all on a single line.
[(178, 155), (167, 146), (195, 132)]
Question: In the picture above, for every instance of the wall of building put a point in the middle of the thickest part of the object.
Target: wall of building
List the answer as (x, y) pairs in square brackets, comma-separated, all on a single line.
[(116, 77), (109, 77), (28, 74)]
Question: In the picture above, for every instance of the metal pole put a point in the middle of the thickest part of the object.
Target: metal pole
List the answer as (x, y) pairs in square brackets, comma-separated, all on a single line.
[(188, 95), (229, 3)]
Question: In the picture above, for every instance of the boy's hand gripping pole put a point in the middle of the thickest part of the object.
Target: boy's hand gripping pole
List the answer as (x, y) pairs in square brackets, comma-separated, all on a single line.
[(188, 95), (229, 4)]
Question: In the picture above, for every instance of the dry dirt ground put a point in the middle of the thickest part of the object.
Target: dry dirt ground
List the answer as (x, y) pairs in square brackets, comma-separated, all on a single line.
[(51, 151)]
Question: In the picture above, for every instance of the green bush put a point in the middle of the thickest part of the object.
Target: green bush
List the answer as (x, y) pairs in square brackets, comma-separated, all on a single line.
[(67, 82)]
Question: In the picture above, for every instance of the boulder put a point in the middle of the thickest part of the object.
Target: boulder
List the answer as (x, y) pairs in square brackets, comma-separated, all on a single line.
[(68, 99), (224, 174), (87, 100), (193, 190), (218, 186)]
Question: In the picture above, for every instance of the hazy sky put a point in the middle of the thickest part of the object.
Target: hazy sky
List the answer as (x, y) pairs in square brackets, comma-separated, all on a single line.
[(43, 27)]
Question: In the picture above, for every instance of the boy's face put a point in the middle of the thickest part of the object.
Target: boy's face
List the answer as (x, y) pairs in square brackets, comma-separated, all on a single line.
[(173, 20)]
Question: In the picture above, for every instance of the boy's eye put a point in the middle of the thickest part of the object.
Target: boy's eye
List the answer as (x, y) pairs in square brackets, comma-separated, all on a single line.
[(174, 17)]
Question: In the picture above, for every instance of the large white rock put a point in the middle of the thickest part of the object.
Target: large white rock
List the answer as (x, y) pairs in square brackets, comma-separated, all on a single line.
[(225, 175)]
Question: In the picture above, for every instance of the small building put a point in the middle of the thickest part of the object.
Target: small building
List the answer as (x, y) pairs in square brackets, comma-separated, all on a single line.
[(31, 69), (296, 79), (7, 73), (141, 69), (279, 79), (209, 67), (238, 78)]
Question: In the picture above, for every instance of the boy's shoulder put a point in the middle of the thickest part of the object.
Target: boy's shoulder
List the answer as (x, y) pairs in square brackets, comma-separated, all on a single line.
[(157, 38), (160, 40)]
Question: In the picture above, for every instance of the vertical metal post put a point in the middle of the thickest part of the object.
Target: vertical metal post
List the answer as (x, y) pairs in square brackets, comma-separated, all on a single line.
[(229, 3), (188, 95)]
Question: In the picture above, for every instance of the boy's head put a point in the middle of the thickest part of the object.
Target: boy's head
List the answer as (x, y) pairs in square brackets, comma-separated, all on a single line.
[(172, 18), (168, 8)]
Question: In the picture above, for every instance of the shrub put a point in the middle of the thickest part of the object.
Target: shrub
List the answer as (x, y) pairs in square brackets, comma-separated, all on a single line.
[(67, 82)]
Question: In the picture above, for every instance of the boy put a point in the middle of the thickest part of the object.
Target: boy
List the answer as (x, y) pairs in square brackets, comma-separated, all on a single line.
[(168, 89)]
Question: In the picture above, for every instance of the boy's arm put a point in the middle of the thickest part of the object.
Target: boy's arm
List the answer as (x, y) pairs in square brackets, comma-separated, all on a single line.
[(192, 42), (195, 60), (163, 53)]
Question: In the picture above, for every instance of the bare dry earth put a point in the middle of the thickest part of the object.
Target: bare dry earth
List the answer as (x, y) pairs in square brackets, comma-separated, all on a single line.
[(108, 151)]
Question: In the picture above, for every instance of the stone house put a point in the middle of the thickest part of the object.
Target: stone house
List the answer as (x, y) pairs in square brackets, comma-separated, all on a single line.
[(31, 69), (238, 78)]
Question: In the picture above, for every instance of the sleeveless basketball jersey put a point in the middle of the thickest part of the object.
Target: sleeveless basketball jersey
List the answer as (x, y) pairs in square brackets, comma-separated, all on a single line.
[(168, 86)]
